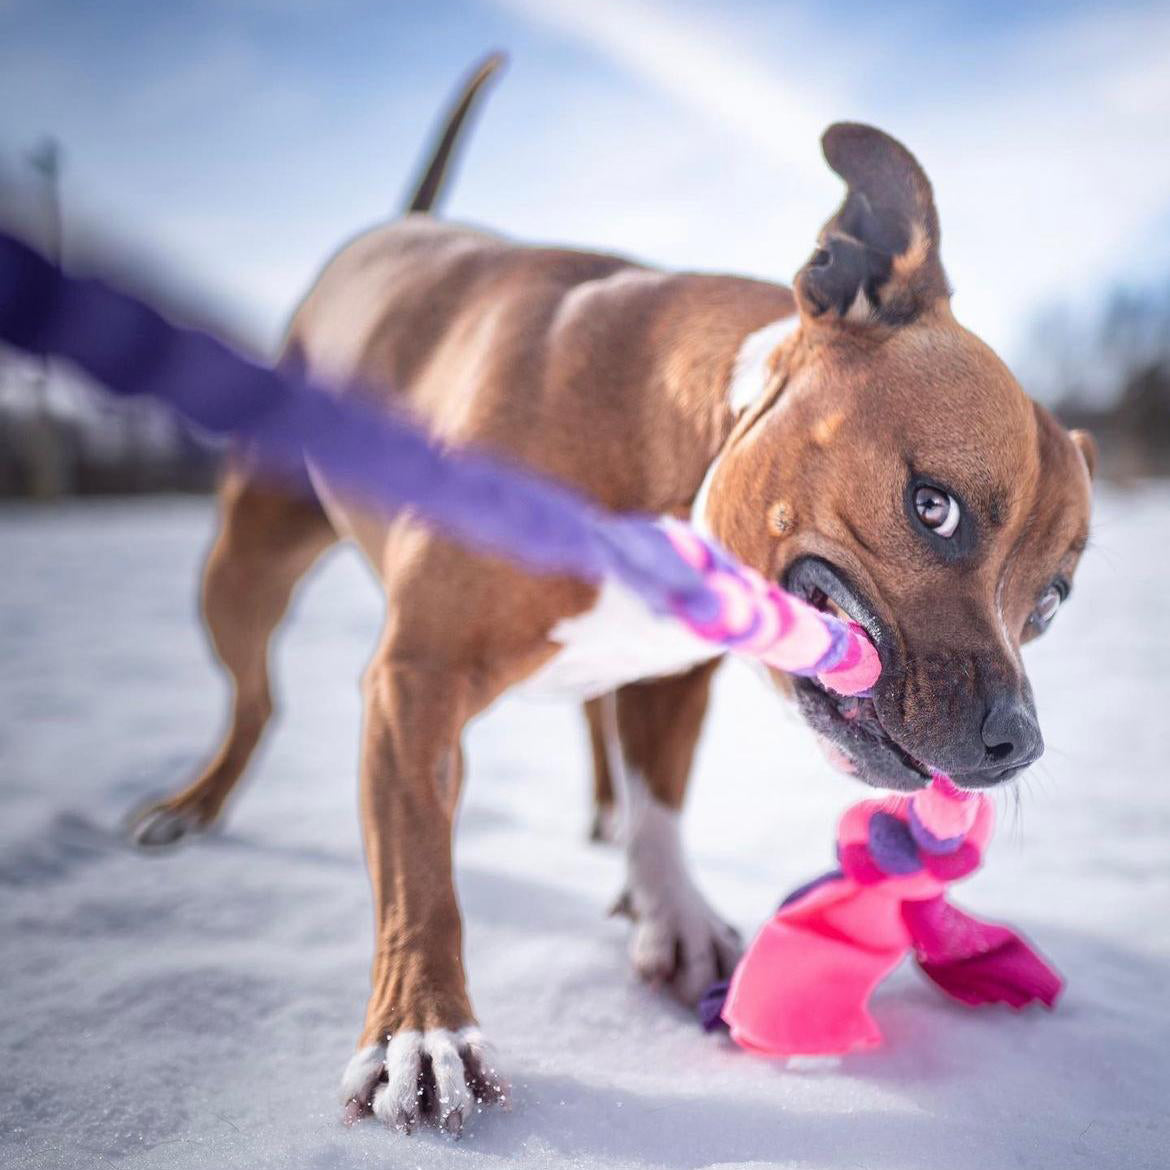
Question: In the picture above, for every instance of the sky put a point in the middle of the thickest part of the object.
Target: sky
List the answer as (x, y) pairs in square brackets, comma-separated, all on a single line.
[(237, 142)]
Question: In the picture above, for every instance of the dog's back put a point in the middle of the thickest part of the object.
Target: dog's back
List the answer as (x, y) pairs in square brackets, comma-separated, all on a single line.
[(525, 349)]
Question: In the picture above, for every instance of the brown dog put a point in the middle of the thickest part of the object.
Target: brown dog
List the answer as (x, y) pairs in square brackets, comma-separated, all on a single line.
[(847, 438)]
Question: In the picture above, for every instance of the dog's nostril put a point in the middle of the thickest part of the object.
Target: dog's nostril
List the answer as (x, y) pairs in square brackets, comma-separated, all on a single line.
[(1010, 733)]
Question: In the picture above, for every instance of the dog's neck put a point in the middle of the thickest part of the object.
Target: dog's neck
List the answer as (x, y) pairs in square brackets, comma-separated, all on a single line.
[(755, 363), (675, 347), (753, 372)]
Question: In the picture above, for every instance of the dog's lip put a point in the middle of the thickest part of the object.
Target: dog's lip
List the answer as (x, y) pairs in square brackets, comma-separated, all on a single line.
[(979, 781), (810, 574), (859, 733), (876, 757)]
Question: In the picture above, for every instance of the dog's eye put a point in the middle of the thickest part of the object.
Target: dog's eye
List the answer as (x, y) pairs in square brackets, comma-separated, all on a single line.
[(937, 510), (1050, 601)]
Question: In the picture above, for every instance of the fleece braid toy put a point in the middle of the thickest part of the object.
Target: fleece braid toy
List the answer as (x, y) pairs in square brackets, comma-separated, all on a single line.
[(389, 462), (803, 985)]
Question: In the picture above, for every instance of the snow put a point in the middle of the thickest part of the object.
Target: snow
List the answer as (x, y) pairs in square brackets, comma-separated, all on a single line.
[(197, 1009)]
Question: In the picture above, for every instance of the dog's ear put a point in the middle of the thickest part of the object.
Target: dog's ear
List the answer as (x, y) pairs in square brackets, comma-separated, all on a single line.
[(877, 259), (1087, 446)]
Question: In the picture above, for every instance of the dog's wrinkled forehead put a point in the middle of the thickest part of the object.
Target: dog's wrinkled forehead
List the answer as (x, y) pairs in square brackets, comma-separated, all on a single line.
[(931, 403), (930, 395)]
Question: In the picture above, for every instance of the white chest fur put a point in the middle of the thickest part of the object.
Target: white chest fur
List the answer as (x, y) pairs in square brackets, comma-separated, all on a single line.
[(616, 642), (753, 369)]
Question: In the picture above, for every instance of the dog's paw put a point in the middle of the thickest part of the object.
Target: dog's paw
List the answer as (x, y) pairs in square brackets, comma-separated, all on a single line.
[(680, 942), (437, 1076), (159, 827)]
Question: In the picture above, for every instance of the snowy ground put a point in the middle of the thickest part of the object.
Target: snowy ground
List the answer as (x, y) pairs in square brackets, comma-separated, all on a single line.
[(197, 1009)]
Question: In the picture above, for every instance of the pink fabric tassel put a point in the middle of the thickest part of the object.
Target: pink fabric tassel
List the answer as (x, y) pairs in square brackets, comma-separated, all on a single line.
[(803, 987), (978, 962)]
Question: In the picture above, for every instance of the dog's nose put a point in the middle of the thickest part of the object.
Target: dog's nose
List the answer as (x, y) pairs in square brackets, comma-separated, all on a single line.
[(1011, 735)]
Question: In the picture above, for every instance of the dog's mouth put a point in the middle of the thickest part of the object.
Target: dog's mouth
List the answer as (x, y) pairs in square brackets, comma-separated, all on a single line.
[(850, 727)]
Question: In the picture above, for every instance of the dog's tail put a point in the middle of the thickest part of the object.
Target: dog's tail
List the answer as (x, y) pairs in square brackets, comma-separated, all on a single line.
[(430, 185)]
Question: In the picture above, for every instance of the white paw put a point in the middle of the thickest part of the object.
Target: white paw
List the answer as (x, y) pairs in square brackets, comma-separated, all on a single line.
[(438, 1076), (680, 941), (157, 828)]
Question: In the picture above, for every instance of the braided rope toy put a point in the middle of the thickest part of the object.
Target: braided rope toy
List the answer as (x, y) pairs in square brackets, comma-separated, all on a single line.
[(759, 619), (388, 461), (804, 982)]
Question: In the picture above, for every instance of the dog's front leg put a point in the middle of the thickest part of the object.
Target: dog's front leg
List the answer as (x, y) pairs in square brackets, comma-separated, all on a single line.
[(421, 1055), (678, 939)]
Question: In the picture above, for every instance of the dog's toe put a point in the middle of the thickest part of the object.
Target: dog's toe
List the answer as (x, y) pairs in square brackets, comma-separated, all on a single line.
[(365, 1069), (438, 1076), (159, 827), (399, 1102), (686, 947)]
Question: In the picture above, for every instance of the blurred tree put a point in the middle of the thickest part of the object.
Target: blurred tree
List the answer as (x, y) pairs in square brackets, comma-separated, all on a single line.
[(1111, 374), (59, 435), (48, 467)]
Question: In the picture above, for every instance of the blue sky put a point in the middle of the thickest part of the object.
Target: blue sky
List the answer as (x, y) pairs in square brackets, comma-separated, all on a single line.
[(240, 140)]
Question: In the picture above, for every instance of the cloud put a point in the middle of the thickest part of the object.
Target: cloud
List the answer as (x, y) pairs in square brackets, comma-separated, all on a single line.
[(242, 149), (700, 63), (1048, 143)]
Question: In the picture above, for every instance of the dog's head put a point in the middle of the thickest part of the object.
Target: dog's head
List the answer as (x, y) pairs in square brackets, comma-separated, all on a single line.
[(894, 470)]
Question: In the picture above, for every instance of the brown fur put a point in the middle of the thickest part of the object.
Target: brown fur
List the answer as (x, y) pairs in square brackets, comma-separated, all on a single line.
[(970, 425), (613, 377)]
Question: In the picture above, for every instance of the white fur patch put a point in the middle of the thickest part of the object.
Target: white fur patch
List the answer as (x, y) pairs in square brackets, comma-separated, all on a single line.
[(749, 379), (398, 1103), (364, 1068), (161, 827), (616, 642), (861, 310), (752, 369), (671, 915)]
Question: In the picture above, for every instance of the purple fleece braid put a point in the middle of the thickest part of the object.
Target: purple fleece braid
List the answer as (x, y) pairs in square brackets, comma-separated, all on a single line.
[(541, 524), (387, 460)]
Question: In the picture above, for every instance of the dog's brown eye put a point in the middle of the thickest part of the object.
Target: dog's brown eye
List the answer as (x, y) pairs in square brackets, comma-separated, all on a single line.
[(1047, 606), (937, 510)]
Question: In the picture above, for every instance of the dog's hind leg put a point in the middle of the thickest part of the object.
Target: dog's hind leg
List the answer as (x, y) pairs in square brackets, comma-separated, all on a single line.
[(266, 542), (652, 729), (604, 823)]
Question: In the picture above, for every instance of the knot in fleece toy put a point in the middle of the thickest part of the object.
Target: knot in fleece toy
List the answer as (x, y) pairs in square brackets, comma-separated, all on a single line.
[(803, 986)]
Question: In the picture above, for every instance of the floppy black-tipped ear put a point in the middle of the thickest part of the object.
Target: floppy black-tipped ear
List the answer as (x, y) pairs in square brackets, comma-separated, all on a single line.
[(877, 259)]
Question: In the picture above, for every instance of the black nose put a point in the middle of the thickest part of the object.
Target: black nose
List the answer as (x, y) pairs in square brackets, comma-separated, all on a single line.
[(1011, 735)]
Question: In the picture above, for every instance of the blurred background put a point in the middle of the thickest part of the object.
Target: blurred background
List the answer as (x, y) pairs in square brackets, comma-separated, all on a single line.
[(228, 147)]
